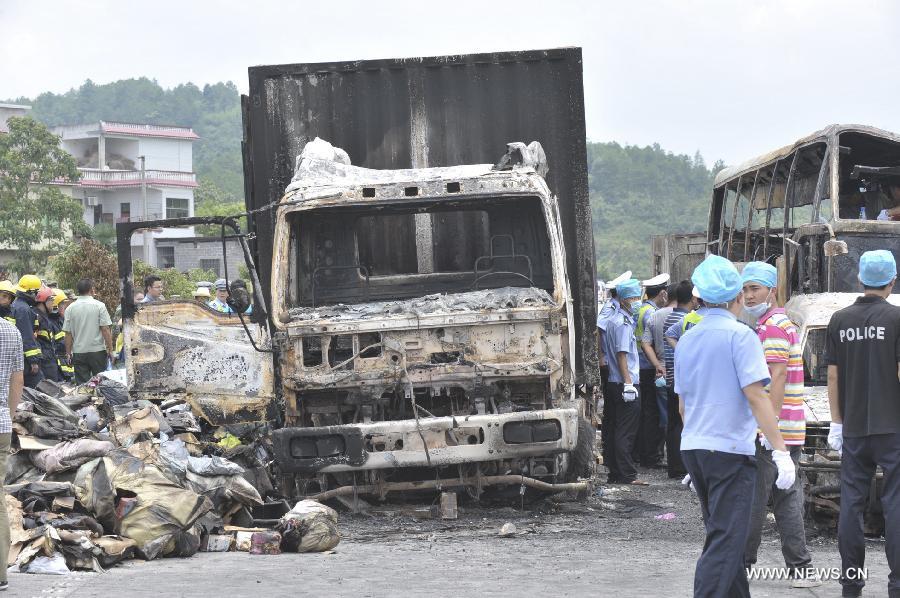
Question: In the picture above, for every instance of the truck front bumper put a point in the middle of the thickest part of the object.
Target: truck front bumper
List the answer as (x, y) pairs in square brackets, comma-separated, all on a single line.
[(449, 441)]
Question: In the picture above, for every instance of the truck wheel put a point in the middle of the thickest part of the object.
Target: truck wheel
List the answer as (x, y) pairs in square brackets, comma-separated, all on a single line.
[(581, 460)]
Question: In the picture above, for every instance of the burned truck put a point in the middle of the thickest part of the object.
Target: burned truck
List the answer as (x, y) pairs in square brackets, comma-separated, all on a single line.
[(812, 209), (414, 327)]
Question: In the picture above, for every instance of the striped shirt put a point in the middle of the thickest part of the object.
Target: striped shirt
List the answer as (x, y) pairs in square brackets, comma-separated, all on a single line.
[(11, 360), (781, 344), (674, 318)]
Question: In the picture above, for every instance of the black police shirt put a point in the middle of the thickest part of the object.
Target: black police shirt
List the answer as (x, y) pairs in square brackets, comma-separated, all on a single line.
[(863, 340)]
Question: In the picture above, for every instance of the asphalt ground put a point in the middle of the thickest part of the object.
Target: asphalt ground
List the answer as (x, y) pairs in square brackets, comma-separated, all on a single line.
[(611, 545)]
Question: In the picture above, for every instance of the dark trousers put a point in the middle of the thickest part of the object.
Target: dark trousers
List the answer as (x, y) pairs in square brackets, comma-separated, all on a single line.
[(725, 486), (649, 444), (32, 380), (88, 365), (619, 429), (860, 456), (673, 438), (787, 505), (51, 369)]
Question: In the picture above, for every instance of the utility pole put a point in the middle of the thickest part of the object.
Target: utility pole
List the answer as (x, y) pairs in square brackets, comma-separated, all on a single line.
[(146, 233)]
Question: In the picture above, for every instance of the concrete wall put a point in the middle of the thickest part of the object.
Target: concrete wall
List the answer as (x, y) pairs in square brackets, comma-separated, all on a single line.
[(167, 154), (9, 110), (190, 252)]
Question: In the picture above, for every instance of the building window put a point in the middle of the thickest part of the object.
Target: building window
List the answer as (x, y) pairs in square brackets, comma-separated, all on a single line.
[(165, 257), (125, 211), (210, 265), (177, 207)]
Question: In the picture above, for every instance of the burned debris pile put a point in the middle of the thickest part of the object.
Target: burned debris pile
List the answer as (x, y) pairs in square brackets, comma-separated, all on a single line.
[(95, 477)]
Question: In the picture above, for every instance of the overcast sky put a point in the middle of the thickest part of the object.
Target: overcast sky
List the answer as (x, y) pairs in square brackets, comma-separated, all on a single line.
[(731, 79)]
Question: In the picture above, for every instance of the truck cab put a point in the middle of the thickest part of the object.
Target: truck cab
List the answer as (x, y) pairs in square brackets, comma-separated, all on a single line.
[(422, 321), (418, 333)]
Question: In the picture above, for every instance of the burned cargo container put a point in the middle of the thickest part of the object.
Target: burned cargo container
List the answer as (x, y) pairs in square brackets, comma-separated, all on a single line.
[(413, 327)]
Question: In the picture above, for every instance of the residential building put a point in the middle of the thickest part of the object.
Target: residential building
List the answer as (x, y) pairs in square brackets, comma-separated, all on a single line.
[(200, 252), (9, 110), (135, 172)]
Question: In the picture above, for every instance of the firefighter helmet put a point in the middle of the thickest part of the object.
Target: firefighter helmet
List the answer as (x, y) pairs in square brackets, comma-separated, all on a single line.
[(43, 295), (29, 283), (7, 287), (58, 297)]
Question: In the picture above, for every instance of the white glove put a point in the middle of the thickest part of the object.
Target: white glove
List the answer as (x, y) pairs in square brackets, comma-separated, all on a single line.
[(787, 473), (629, 393), (836, 437), (687, 482), (765, 442)]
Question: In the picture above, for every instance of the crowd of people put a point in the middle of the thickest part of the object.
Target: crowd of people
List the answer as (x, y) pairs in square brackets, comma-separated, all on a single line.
[(153, 291), (70, 337), (708, 375)]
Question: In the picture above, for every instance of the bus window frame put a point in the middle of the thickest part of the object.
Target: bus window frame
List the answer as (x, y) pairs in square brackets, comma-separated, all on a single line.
[(723, 244), (788, 199), (737, 200), (820, 183), (734, 211), (769, 194), (749, 229)]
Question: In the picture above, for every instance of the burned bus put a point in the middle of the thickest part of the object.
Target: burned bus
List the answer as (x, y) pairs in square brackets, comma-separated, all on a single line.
[(812, 209)]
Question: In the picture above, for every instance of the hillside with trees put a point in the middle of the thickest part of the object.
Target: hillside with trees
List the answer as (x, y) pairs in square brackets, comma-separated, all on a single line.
[(214, 112), (635, 191)]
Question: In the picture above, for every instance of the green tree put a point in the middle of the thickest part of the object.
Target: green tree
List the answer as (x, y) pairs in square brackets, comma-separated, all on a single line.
[(174, 282), (210, 200), (36, 217), (105, 234), (637, 192), (89, 259)]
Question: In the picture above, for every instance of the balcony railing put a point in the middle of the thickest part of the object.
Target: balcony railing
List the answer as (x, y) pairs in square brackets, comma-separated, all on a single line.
[(94, 177)]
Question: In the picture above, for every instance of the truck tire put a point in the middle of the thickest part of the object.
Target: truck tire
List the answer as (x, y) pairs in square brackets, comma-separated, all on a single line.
[(581, 460)]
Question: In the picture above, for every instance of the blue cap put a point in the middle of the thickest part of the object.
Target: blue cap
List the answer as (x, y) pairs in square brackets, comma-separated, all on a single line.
[(629, 289), (877, 268), (717, 280), (761, 272)]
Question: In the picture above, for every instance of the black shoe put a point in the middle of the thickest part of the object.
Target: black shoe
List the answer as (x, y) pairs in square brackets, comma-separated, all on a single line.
[(3, 585), (851, 592)]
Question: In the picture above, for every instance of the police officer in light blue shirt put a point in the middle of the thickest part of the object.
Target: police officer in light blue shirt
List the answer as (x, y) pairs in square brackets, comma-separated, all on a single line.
[(622, 406), (720, 377), (609, 307)]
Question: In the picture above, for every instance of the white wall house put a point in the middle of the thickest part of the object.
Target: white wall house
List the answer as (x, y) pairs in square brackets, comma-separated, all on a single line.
[(10, 110), (113, 186)]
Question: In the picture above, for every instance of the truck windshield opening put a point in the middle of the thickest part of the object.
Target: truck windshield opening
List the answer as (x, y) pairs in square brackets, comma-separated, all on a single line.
[(401, 251)]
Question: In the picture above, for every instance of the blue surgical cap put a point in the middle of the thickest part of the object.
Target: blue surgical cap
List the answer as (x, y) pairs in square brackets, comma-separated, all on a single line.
[(877, 268), (717, 280), (629, 289), (760, 272)]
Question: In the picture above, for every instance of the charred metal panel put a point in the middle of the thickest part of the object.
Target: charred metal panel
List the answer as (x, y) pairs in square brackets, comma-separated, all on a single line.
[(182, 349), (447, 441), (424, 112)]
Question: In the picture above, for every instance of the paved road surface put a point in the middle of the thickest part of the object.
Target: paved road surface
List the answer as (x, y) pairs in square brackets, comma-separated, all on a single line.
[(611, 546)]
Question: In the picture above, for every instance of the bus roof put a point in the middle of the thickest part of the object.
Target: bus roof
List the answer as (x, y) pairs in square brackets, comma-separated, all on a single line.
[(733, 172)]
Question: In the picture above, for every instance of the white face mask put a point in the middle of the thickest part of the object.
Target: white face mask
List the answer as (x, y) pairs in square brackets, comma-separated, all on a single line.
[(759, 309)]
